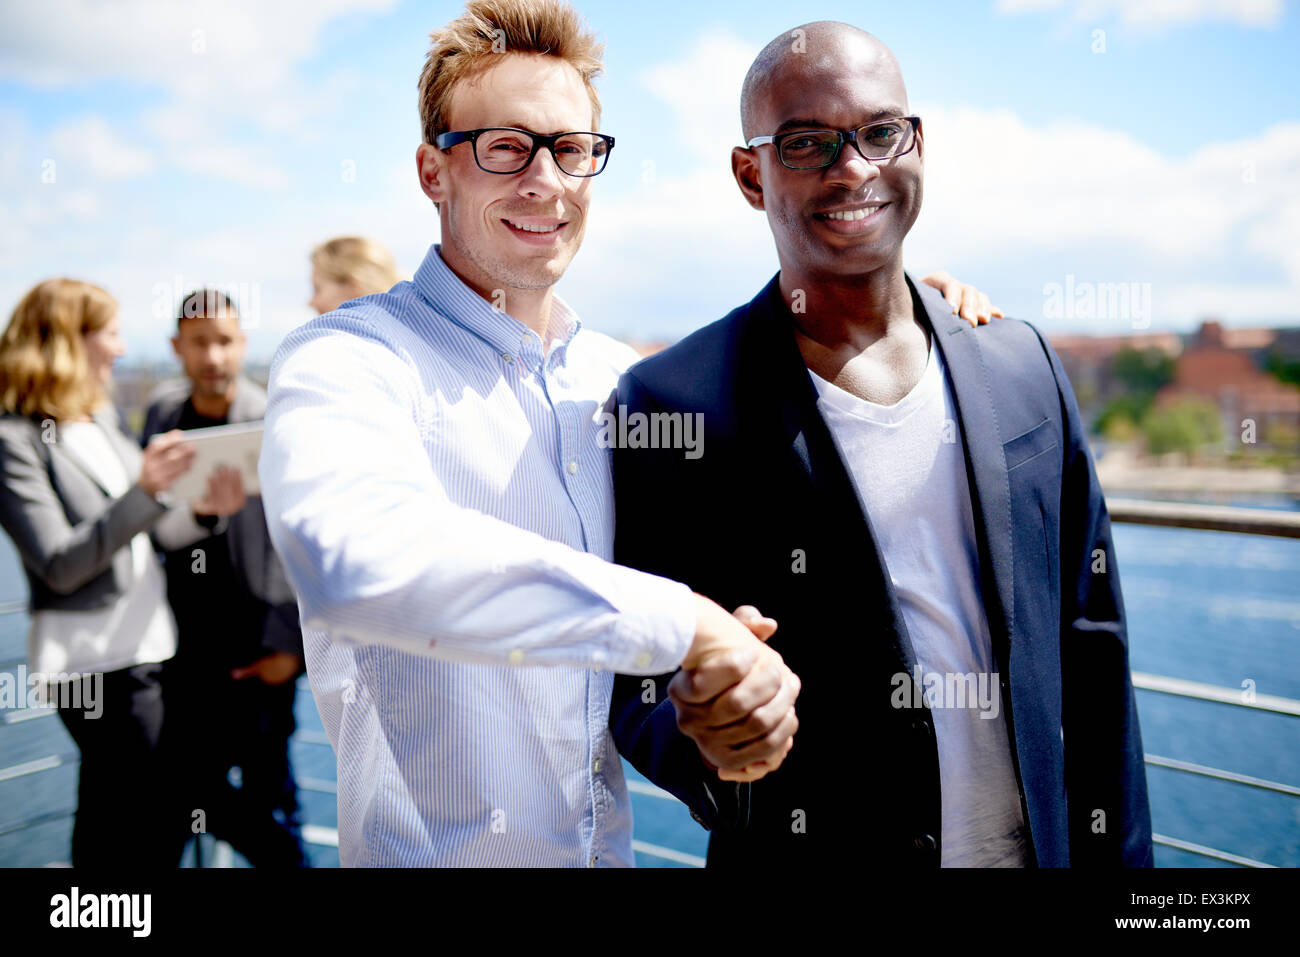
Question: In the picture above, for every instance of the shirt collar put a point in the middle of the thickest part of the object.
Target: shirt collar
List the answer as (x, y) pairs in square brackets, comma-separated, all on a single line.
[(450, 295)]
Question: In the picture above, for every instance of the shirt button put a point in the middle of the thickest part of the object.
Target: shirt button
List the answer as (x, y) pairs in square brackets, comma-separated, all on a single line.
[(516, 656), (573, 468), (595, 768), (643, 660), (507, 357)]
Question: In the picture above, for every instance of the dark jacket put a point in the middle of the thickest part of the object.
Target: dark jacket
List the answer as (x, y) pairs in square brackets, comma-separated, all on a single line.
[(769, 516), (252, 556)]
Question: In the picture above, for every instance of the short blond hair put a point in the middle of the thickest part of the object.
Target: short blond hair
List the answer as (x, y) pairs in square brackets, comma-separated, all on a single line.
[(464, 48), (363, 262), (44, 366)]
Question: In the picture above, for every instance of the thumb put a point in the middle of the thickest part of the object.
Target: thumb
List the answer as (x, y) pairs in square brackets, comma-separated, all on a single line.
[(762, 626), (239, 674)]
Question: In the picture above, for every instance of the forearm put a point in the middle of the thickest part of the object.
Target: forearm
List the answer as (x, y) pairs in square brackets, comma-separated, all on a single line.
[(440, 580), (66, 556), (377, 553)]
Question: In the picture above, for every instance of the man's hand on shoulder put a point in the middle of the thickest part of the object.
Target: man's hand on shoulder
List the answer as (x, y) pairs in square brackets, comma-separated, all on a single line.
[(734, 696), (966, 301)]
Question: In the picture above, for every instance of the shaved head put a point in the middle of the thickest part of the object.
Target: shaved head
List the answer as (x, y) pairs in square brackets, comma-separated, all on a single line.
[(793, 52), (845, 219)]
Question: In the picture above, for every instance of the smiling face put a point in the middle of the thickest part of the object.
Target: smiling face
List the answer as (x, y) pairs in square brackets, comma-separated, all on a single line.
[(850, 218), (519, 230), (104, 346)]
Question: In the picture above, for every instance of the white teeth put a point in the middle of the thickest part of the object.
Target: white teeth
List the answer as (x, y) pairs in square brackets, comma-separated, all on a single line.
[(534, 229), (852, 213)]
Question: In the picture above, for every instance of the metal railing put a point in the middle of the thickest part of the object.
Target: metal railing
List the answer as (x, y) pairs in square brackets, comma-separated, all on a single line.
[(1133, 511), (1212, 518)]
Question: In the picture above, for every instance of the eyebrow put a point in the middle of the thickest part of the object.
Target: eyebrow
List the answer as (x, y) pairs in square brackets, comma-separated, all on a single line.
[(522, 126), (820, 125)]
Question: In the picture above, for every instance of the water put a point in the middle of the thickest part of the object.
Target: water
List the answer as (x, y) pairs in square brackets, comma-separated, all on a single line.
[(1213, 607)]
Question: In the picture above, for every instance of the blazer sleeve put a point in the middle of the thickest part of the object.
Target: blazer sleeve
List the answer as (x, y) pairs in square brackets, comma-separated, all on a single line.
[(282, 631), (1105, 772), (642, 718), (65, 556)]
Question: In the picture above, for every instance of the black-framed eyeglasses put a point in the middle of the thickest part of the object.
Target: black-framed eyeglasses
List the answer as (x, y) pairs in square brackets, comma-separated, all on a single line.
[(815, 149), (507, 149)]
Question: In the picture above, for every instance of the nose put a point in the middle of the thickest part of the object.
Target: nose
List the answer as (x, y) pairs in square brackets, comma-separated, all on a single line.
[(851, 169), (543, 178)]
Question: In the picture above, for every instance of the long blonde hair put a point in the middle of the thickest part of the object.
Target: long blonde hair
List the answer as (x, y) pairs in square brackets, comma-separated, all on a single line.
[(363, 262), (44, 367)]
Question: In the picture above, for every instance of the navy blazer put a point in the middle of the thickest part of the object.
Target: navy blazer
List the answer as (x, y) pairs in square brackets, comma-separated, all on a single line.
[(768, 515)]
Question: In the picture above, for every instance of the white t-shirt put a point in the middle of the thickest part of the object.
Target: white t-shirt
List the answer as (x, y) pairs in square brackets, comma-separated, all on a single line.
[(909, 467), (139, 626)]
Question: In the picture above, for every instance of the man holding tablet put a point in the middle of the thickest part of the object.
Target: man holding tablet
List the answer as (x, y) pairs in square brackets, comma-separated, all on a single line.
[(229, 691)]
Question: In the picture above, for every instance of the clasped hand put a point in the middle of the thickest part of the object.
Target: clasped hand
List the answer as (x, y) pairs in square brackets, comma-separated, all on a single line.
[(734, 695)]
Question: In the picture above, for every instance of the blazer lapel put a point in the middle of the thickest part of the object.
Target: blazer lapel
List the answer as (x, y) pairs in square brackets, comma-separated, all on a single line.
[(127, 453), (122, 443), (985, 463), (66, 450), (777, 388)]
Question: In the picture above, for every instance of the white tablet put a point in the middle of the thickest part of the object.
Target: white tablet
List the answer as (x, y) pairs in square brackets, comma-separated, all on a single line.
[(239, 445)]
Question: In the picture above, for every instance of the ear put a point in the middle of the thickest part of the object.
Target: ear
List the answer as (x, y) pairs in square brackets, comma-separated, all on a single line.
[(176, 346), (431, 166), (744, 166)]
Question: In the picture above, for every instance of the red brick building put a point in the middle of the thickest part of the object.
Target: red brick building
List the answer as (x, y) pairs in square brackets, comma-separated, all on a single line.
[(1218, 365)]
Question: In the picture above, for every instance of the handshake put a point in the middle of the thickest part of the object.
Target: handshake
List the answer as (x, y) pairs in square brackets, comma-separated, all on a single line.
[(734, 695)]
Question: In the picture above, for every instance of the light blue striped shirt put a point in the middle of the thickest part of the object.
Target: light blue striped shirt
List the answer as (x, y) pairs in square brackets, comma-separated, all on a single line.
[(434, 485)]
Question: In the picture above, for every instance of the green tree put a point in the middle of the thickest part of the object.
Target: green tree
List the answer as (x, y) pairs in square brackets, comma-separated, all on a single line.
[(1186, 427), (1143, 371), (1282, 367)]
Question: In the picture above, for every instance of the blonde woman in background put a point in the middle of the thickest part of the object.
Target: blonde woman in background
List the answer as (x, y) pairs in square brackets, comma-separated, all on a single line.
[(81, 500), (349, 267)]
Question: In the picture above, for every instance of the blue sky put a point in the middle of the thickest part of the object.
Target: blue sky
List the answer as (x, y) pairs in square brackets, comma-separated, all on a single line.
[(142, 141)]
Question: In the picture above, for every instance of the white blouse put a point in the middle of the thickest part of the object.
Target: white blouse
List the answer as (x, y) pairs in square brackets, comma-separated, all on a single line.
[(139, 626)]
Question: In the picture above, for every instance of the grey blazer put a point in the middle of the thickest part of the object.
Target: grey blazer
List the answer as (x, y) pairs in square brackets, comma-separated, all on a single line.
[(251, 553), (72, 534)]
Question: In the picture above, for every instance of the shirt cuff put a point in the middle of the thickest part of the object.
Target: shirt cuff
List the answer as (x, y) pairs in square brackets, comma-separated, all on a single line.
[(654, 638)]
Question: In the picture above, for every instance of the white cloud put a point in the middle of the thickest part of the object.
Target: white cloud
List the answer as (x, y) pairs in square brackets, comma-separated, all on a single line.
[(92, 145), (195, 141), (677, 245), (244, 42), (227, 66), (1008, 206), (1073, 193), (1156, 13)]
